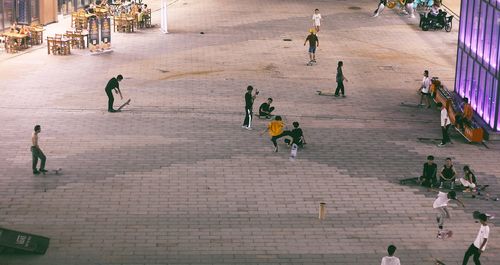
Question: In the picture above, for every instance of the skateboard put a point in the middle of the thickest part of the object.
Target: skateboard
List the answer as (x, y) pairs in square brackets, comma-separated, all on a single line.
[(293, 152), (311, 63), (438, 262), (444, 234), (53, 171), (123, 105)]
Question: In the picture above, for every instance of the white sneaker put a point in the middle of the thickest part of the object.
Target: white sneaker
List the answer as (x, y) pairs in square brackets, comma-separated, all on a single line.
[(248, 128), (243, 126), (375, 15)]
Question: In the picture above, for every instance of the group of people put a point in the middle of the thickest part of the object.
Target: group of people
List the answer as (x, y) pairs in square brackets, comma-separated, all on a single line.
[(276, 128), (447, 175), (407, 7)]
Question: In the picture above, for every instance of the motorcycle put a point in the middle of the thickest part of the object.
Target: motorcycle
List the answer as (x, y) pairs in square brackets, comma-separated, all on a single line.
[(441, 21)]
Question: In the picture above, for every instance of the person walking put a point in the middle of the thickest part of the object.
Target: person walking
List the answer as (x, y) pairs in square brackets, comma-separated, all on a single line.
[(479, 245), (424, 90), (113, 84), (316, 19), (380, 8), (445, 124), (340, 78), (36, 152), (313, 44), (391, 259), (249, 99)]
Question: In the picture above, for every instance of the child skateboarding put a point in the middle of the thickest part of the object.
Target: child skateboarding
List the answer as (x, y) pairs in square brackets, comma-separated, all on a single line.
[(313, 43)]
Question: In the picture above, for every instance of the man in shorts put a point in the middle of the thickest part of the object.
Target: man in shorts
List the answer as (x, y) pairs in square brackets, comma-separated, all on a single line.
[(313, 43), (441, 204)]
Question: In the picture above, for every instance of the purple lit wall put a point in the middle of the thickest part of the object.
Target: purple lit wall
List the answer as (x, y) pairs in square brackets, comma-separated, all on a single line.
[(478, 61)]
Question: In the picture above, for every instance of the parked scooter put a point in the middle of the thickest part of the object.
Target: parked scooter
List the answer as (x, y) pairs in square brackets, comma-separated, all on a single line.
[(441, 21)]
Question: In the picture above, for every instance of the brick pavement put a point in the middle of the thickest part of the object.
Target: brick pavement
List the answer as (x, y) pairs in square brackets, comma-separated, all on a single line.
[(174, 179)]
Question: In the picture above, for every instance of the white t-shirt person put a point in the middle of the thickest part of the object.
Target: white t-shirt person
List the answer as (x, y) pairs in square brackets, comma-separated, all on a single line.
[(426, 84), (441, 200), (444, 118), (390, 260), (484, 232), (317, 19)]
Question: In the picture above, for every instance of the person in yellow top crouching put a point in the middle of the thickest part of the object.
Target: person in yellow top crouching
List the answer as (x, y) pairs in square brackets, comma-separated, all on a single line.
[(276, 130)]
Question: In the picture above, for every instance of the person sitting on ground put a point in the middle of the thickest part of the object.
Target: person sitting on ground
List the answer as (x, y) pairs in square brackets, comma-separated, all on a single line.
[(469, 180), (429, 178), (447, 174), (464, 118), (265, 109), (297, 136), (276, 131), (391, 259)]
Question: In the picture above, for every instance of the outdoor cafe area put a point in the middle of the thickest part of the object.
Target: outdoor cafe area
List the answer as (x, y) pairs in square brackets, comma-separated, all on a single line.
[(85, 26)]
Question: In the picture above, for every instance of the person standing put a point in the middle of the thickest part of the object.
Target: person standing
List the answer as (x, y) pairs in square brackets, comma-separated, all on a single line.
[(479, 245), (113, 84), (424, 90), (340, 80), (313, 43), (36, 152), (445, 124), (316, 19), (391, 259), (380, 8), (249, 98)]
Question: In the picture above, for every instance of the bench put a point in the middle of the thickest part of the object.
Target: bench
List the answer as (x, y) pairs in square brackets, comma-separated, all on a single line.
[(472, 132)]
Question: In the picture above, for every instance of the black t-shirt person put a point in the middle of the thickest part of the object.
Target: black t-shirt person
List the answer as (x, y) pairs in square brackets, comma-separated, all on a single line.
[(313, 39), (248, 100), (112, 84)]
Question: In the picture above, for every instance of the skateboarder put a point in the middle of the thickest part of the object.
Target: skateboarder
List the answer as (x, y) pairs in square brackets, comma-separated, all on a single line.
[(276, 130), (391, 259), (313, 43), (36, 152), (113, 84), (479, 244), (440, 205), (340, 80), (249, 98)]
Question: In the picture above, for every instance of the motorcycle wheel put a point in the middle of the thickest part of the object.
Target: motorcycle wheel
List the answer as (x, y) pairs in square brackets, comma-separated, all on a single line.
[(448, 26)]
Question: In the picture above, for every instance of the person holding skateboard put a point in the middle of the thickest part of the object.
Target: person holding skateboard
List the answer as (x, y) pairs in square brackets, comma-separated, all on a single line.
[(36, 152), (340, 80), (313, 43), (113, 84), (479, 245), (441, 204)]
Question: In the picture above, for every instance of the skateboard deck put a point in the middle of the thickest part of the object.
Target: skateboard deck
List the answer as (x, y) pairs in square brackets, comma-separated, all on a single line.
[(123, 105), (444, 234), (53, 171), (438, 262), (310, 63)]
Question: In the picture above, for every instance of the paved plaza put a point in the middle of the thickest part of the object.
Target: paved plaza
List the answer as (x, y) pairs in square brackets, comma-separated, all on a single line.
[(174, 179)]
